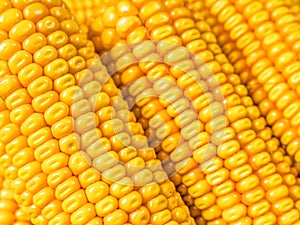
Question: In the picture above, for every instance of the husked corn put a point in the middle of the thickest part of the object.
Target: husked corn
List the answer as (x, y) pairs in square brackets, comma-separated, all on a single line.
[(266, 81), (252, 53), (66, 154)]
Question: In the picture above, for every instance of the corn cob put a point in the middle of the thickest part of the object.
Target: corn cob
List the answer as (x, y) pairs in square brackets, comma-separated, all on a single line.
[(143, 69), (290, 138), (223, 38), (199, 13), (49, 92), (234, 55), (286, 176)]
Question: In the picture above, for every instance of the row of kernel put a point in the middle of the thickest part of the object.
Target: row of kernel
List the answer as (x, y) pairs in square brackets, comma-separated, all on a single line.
[(10, 212), (22, 110)]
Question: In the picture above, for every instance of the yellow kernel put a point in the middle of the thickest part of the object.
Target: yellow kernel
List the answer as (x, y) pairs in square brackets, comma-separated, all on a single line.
[(149, 191), (35, 12), (54, 162), (199, 189), (236, 160), (88, 177), (40, 86), (282, 206), (228, 200), (60, 219), (66, 188), (9, 18), (34, 122), (121, 188), (79, 162), (86, 122), (113, 174), (42, 102), (106, 205), (19, 60), (290, 217), (52, 209), (247, 183), (130, 202), (17, 98), (67, 51), (211, 213), (43, 197), (277, 193), (36, 183), (84, 214), (106, 161), (161, 217), (140, 216), (205, 201), (99, 147), (224, 188), (117, 217), (29, 170), (217, 177), (240, 172), (97, 191), (56, 68), (22, 157), (47, 25), (34, 42), (157, 204), (234, 213), (56, 112), (70, 144)]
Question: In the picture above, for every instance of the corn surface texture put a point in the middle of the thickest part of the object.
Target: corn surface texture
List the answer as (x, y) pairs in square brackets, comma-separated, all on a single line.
[(161, 112)]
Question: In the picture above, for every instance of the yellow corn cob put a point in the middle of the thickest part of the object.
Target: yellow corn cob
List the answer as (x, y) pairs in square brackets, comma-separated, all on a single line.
[(234, 55), (294, 171), (287, 158), (291, 136), (53, 81), (150, 20)]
